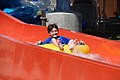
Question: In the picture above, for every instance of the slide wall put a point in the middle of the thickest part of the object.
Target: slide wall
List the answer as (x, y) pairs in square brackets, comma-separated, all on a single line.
[(20, 59)]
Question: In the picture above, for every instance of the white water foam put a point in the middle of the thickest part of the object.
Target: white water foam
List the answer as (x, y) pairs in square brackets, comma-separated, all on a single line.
[(92, 56)]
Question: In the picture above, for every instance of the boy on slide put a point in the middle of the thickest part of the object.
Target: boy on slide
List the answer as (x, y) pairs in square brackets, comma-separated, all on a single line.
[(58, 40)]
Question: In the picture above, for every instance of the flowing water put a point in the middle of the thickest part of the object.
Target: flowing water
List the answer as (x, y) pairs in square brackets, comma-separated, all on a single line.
[(92, 56)]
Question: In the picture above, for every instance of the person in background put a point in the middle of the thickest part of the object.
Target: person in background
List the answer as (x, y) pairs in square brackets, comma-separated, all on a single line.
[(64, 5), (57, 40)]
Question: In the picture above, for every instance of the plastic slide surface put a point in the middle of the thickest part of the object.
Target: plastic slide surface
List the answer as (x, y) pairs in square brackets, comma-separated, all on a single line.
[(20, 59)]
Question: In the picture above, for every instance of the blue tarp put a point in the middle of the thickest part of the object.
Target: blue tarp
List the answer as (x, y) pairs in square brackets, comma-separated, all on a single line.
[(25, 14), (9, 3)]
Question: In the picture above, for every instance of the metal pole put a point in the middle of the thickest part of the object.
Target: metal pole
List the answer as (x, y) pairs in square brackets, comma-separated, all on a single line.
[(97, 14), (103, 15)]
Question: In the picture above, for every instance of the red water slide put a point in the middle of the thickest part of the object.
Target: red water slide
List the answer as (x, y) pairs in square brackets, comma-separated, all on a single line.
[(20, 59)]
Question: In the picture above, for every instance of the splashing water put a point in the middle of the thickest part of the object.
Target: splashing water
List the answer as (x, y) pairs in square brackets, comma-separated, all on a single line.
[(92, 56)]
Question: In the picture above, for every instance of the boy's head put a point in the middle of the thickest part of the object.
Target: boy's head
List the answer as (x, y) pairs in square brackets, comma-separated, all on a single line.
[(53, 30)]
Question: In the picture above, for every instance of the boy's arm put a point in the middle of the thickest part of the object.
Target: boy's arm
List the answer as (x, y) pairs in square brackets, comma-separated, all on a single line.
[(47, 41)]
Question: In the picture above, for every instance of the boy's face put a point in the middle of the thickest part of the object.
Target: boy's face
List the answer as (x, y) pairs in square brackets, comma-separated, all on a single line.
[(54, 32)]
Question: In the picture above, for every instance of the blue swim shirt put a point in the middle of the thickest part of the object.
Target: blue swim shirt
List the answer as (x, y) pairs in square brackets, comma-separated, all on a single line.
[(63, 40)]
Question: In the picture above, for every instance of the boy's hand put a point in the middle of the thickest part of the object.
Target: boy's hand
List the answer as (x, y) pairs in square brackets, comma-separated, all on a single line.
[(81, 42), (38, 43)]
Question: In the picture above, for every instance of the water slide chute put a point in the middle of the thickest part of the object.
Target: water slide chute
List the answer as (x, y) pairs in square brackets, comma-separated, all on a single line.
[(20, 59)]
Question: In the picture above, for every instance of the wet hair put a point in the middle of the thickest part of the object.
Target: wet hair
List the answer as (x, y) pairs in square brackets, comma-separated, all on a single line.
[(51, 26)]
